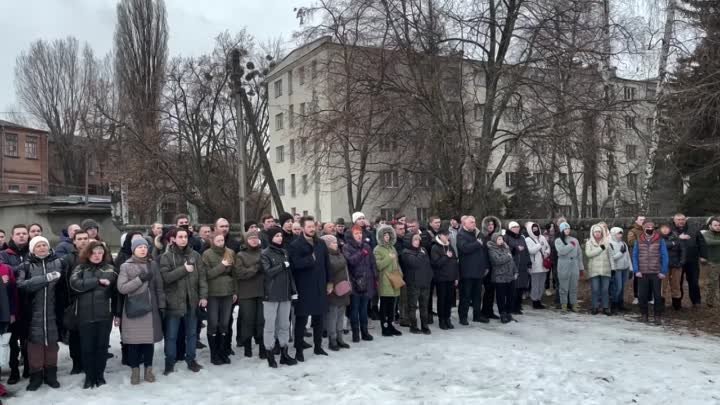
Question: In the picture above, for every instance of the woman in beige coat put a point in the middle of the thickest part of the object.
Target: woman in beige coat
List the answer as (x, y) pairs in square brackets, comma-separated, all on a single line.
[(140, 279)]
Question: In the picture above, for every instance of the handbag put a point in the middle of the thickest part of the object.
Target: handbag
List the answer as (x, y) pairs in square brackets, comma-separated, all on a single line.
[(70, 318), (344, 287), (396, 279), (138, 305), (547, 262)]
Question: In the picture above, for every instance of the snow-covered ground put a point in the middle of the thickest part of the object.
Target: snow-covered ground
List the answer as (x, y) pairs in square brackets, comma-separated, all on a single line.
[(542, 359)]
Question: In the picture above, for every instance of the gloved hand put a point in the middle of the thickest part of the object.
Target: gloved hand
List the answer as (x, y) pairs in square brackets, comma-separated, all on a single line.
[(365, 252), (52, 276), (602, 247), (145, 276), (623, 249)]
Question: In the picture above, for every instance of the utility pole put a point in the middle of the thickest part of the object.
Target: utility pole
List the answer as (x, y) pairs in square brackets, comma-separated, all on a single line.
[(236, 78)]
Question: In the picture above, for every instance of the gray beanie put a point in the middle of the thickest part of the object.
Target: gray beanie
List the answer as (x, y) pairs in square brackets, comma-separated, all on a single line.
[(137, 243)]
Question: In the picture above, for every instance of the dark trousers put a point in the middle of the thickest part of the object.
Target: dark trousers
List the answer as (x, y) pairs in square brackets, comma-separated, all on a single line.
[(219, 314), (317, 324), (417, 299), (691, 273), (488, 296), (18, 345), (517, 296), (635, 287), (387, 309), (433, 290), (358, 312), (471, 291), (250, 320), (445, 298), (94, 340), (138, 354), (649, 286), (503, 296), (74, 346)]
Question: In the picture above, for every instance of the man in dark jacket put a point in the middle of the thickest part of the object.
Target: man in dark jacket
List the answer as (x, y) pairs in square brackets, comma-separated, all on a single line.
[(285, 221), (695, 253), (66, 244), (15, 254), (309, 263), (474, 265), (340, 232), (418, 275)]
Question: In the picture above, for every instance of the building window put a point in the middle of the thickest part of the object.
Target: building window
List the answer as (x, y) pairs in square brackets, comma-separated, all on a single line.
[(32, 189), (11, 145), (313, 68), (303, 146), (301, 75), (291, 118), (278, 88), (651, 91), (280, 154), (281, 186), (631, 151), (293, 210), (479, 111), (629, 93), (31, 147), (302, 111), (388, 214), (389, 179), (649, 124), (422, 214), (291, 151), (629, 122), (489, 178), (388, 144), (279, 121), (292, 185), (305, 213), (290, 83), (422, 180), (13, 188), (304, 184), (510, 179), (632, 180)]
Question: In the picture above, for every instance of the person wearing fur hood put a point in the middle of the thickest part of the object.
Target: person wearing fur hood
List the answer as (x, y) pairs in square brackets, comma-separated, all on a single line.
[(596, 250), (538, 248), (621, 266)]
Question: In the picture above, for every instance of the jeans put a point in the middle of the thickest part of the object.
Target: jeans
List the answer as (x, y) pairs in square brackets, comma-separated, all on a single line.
[(600, 286), (250, 320), (359, 313), (617, 286), (417, 299), (219, 311), (137, 354), (471, 291), (277, 323), (172, 326), (94, 341), (445, 298), (649, 287), (503, 296)]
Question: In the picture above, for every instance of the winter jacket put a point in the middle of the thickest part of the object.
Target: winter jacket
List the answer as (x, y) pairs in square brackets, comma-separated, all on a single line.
[(11, 294), (368, 237), (417, 271), (309, 265), (219, 277), (650, 255), (45, 308), (634, 234), (712, 243), (484, 232), (676, 250), (519, 250), (146, 329), (387, 261), (247, 272), (427, 237), (695, 246), (598, 255), (569, 254), (93, 302), (472, 253), (504, 268), (183, 289), (619, 259), (64, 247), (538, 248), (337, 272), (278, 280), (361, 265), (444, 268), (14, 256)]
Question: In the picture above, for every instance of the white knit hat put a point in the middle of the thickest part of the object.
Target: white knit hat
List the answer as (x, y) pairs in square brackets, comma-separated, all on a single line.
[(36, 240), (513, 224), (356, 216)]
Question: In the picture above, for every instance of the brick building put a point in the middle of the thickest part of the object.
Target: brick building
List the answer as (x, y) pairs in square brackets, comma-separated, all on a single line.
[(23, 161)]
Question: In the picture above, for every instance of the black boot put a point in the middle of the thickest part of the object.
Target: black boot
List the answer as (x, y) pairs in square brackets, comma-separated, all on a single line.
[(414, 329), (449, 324), (505, 318), (443, 324), (51, 377), (276, 348), (425, 330), (332, 345), (480, 318), (227, 345), (89, 382), (365, 335), (394, 331), (247, 345), (169, 368), (76, 369), (385, 327), (356, 335), (36, 380), (299, 356), (215, 358), (14, 376), (285, 357), (223, 345), (271, 360), (317, 348), (464, 321), (644, 318), (677, 304), (341, 343), (262, 352)]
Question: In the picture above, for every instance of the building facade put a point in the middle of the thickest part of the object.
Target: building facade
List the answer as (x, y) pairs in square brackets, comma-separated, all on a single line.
[(23, 161)]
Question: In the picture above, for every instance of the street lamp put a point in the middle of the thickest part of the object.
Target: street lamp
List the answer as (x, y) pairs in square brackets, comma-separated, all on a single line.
[(236, 78)]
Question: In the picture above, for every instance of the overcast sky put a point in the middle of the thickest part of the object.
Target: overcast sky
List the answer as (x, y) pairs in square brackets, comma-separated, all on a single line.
[(193, 26)]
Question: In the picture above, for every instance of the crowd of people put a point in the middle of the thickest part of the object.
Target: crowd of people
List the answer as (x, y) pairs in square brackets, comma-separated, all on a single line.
[(291, 278)]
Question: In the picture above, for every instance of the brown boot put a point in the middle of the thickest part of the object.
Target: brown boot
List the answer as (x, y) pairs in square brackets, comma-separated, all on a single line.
[(135, 376), (149, 376)]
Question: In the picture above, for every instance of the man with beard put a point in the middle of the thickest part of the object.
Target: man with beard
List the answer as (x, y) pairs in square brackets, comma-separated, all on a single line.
[(427, 238), (14, 256), (695, 253)]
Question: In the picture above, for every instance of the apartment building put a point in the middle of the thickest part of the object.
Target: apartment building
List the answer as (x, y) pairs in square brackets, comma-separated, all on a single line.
[(23, 161)]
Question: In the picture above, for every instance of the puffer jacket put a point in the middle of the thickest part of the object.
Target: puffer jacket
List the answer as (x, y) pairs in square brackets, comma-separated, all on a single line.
[(337, 272), (538, 248), (43, 297), (279, 285), (519, 250), (361, 264), (219, 277), (444, 268), (619, 259), (182, 289), (93, 302), (247, 272), (387, 261), (597, 254), (504, 267), (417, 270)]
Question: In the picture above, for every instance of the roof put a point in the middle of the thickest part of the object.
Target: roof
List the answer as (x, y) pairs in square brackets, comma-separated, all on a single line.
[(8, 124)]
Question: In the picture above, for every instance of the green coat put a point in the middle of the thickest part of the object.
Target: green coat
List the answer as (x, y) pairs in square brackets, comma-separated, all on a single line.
[(182, 289), (712, 241), (249, 279), (219, 277), (387, 262)]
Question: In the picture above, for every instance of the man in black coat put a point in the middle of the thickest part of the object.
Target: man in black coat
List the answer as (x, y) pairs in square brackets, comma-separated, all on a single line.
[(309, 264), (695, 253), (428, 237), (474, 265)]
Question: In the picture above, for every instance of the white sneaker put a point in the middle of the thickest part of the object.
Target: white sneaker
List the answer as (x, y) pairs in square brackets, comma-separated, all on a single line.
[(635, 301), (651, 302)]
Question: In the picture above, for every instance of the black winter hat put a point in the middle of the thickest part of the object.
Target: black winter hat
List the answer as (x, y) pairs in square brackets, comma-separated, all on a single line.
[(340, 221), (272, 232), (284, 217), (89, 224), (248, 224)]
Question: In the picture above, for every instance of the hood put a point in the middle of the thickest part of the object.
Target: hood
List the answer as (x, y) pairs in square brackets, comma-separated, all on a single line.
[(382, 230), (603, 230), (528, 229), (127, 243), (440, 242), (614, 231), (484, 223), (491, 241)]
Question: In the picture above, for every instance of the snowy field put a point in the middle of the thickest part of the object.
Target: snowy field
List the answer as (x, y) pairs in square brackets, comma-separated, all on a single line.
[(546, 358)]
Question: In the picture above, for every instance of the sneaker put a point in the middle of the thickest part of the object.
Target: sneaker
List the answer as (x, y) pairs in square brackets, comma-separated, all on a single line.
[(635, 301)]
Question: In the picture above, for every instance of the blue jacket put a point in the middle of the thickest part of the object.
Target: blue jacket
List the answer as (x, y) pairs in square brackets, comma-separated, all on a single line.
[(664, 258)]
